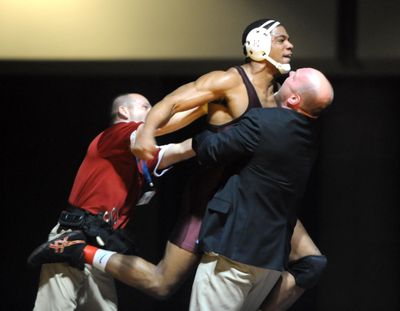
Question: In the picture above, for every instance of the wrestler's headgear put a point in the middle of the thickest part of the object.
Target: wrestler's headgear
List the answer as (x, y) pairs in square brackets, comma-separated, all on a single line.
[(257, 44)]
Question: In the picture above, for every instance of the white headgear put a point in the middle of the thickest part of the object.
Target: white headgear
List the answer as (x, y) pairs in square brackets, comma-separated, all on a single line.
[(258, 45)]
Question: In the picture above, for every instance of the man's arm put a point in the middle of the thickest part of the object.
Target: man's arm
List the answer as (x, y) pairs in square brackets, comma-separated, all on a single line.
[(209, 87), (176, 152), (230, 145), (169, 154)]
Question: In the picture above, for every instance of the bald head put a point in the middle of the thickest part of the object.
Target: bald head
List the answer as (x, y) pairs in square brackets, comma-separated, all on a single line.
[(307, 91), (129, 107)]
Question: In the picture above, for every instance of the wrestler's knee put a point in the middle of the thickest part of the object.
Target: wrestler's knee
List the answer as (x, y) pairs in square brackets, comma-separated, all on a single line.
[(166, 282), (307, 270)]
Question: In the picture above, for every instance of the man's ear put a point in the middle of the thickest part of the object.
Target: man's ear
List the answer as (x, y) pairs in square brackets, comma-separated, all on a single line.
[(293, 101), (123, 113)]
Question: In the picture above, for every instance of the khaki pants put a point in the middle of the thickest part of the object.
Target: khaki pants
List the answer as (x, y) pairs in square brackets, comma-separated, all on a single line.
[(224, 284), (65, 288)]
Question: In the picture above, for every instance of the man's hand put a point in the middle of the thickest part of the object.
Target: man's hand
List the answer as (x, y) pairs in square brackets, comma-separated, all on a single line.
[(144, 145)]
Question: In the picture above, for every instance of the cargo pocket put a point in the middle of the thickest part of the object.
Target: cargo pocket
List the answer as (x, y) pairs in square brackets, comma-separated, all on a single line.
[(220, 206)]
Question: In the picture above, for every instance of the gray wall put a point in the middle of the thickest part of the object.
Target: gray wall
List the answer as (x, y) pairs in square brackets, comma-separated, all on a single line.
[(186, 29)]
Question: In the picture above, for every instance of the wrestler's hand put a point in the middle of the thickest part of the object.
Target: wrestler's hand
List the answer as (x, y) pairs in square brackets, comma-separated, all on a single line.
[(144, 146)]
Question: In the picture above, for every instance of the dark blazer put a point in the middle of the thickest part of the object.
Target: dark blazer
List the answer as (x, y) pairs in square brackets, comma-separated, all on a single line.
[(251, 217)]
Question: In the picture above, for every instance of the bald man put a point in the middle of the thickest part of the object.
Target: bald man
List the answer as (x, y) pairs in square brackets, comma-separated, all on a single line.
[(106, 188), (248, 224)]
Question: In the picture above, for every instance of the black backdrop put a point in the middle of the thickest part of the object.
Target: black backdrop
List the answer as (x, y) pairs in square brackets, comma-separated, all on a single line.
[(351, 207)]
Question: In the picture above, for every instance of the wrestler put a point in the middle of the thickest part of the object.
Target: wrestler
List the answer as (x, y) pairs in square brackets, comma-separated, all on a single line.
[(229, 95)]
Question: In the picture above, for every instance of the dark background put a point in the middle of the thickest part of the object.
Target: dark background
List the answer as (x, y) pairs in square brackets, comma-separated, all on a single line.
[(51, 112)]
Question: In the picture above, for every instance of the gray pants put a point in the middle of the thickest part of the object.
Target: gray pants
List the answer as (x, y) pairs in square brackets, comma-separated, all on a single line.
[(65, 288)]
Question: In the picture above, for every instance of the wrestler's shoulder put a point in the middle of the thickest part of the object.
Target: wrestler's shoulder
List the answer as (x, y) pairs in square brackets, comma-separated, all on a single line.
[(230, 76)]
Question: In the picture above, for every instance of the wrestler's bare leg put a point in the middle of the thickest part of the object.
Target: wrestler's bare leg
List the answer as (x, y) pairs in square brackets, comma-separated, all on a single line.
[(286, 292), (159, 280)]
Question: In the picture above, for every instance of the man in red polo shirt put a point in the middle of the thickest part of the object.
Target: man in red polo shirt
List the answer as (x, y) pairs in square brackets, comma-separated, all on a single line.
[(108, 184)]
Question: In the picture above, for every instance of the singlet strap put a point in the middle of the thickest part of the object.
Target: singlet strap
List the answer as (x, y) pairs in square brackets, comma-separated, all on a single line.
[(254, 101)]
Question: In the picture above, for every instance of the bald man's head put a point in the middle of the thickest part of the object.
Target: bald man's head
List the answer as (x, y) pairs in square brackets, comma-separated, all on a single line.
[(129, 107), (306, 90)]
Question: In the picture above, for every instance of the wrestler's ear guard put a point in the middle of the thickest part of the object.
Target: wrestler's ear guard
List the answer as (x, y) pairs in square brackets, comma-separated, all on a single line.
[(258, 41), (258, 45)]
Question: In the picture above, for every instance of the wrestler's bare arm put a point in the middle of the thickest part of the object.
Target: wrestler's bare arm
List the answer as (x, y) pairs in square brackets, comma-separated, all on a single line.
[(181, 119), (209, 87)]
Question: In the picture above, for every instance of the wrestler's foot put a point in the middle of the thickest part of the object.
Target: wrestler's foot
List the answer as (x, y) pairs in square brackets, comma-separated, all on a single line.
[(68, 247)]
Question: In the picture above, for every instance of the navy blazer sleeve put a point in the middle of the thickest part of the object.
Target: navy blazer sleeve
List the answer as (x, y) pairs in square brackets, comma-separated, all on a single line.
[(232, 144)]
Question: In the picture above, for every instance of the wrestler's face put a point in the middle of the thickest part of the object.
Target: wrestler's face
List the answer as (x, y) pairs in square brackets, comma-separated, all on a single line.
[(281, 47), (139, 110)]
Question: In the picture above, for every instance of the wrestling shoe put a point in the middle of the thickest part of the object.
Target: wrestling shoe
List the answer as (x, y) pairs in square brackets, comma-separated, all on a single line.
[(68, 247)]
